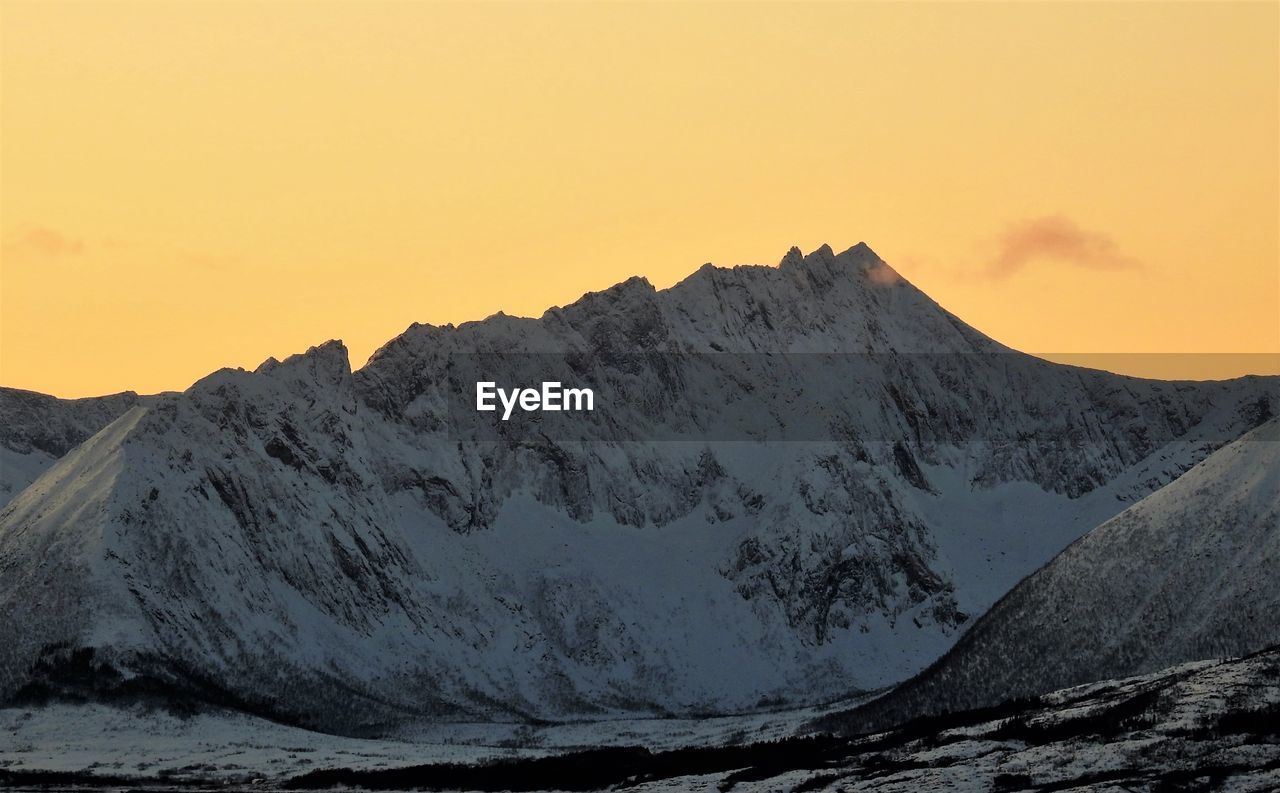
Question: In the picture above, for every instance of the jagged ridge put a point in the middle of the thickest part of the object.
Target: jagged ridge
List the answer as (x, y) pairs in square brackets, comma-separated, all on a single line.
[(302, 534)]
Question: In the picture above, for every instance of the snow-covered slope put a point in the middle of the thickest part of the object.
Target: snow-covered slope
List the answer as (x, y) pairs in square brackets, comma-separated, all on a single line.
[(321, 545), (1199, 726), (36, 429), (1188, 573)]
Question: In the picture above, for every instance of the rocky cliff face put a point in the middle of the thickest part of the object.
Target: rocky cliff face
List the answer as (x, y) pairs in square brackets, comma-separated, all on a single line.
[(327, 547)]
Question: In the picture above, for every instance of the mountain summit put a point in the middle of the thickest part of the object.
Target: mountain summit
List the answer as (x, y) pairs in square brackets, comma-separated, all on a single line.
[(318, 545)]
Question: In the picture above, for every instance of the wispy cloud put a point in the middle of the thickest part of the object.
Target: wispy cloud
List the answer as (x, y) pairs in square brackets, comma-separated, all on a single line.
[(1055, 238), (42, 241), (39, 244), (882, 274)]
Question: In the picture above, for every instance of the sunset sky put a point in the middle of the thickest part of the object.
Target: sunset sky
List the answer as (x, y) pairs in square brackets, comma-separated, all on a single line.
[(187, 186)]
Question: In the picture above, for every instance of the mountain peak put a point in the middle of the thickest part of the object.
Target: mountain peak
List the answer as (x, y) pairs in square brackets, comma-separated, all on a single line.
[(635, 288), (861, 251), (860, 254), (636, 284), (794, 257), (295, 535), (328, 362)]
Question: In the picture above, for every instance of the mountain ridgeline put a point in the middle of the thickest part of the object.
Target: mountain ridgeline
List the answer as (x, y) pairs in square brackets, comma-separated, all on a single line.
[(319, 545)]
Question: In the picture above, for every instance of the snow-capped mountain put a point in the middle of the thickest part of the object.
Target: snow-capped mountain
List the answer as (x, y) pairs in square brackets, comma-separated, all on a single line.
[(1188, 573), (323, 546)]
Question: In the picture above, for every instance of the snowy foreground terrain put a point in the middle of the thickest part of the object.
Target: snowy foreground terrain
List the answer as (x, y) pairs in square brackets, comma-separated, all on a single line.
[(226, 746), (803, 485), (1205, 725)]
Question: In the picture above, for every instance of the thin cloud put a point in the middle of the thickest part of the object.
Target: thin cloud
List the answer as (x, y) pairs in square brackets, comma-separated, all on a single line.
[(882, 274), (43, 241), (1059, 239)]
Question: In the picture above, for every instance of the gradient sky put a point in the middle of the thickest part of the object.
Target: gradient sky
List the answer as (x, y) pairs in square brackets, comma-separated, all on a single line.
[(194, 185)]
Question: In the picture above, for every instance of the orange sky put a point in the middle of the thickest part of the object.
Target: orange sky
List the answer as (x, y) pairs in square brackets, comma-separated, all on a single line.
[(192, 185)]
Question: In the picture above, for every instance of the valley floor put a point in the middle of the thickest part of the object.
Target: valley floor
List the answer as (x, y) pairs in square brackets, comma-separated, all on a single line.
[(1199, 726), (226, 747)]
